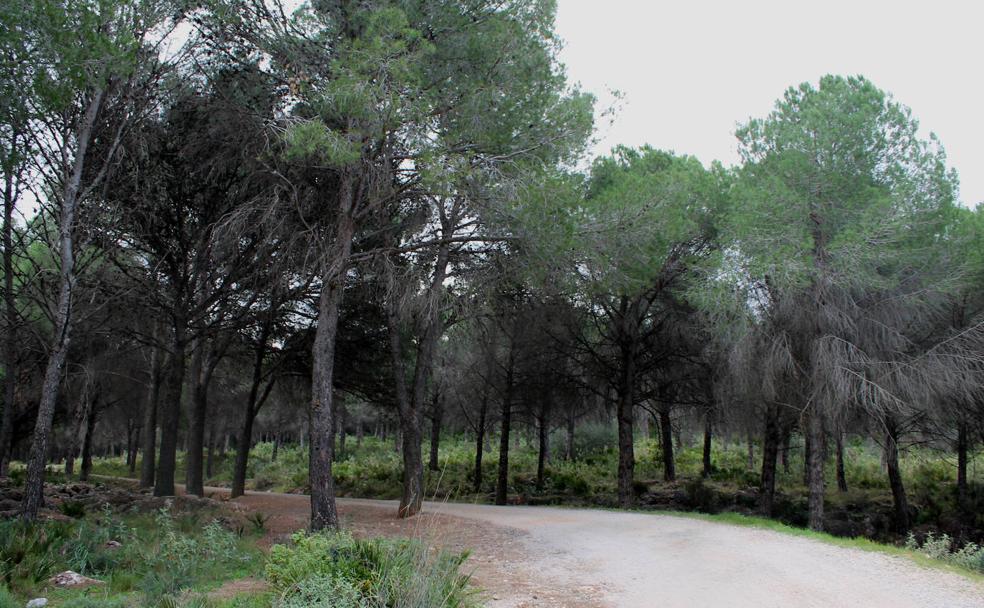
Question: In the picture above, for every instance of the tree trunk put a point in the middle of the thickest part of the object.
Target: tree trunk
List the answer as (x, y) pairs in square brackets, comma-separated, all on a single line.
[(194, 469), (750, 465), (569, 447), (543, 428), (502, 482), (324, 514), (253, 403), (815, 463), (708, 466), (90, 429), (666, 439), (624, 411), (133, 440), (210, 450), (171, 411), (900, 502), (149, 432), (479, 441), (435, 438), (770, 454), (787, 437), (61, 335), (963, 448), (841, 477), (11, 321)]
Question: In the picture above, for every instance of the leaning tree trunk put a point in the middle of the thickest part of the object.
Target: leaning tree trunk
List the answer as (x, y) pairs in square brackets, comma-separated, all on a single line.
[(253, 403), (170, 406), (324, 514), (815, 462), (900, 502), (666, 438), (770, 456), (149, 432), (841, 476), (411, 404), (61, 335), (502, 482)]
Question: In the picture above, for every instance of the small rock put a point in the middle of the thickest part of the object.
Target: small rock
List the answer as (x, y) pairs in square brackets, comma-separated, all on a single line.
[(73, 579), (113, 544), (38, 602)]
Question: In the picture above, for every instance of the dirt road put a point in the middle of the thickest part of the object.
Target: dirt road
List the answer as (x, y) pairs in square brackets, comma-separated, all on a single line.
[(543, 556)]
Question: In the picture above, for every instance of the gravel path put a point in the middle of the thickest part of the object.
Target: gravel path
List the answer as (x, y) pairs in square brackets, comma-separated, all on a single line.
[(545, 556)]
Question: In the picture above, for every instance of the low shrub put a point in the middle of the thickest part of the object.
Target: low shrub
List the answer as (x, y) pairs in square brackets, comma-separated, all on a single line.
[(338, 571), (941, 547)]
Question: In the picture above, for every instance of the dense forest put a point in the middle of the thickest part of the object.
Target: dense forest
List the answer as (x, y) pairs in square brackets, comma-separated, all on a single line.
[(241, 228)]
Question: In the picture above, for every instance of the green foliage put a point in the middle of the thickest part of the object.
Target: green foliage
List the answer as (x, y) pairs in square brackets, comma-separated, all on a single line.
[(335, 570), (159, 556), (7, 599), (72, 508), (970, 556)]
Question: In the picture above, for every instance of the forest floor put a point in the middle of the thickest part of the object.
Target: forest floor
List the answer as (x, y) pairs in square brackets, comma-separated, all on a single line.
[(547, 556)]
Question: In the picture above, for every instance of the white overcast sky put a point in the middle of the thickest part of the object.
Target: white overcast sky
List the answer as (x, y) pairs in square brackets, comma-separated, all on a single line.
[(690, 70)]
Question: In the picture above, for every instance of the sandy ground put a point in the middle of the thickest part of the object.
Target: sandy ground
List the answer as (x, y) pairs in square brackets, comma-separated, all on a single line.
[(545, 556)]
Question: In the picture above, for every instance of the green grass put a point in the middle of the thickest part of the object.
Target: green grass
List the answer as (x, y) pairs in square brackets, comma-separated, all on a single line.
[(161, 557), (860, 543)]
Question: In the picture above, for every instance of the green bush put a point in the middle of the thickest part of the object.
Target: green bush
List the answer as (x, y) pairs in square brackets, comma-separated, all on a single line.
[(7, 599), (970, 556), (338, 571)]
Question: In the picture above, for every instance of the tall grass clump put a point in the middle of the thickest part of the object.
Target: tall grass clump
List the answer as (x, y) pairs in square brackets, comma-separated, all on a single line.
[(335, 570)]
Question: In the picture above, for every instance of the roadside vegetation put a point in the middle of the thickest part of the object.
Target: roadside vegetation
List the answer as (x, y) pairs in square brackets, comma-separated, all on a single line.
[(372, 469), (180, 557)]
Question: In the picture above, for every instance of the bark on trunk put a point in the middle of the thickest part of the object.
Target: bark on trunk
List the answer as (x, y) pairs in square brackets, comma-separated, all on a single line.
[(569, 447), (900, 502), (11, 321), (770, 454), (253, 403), (435, 438), (543, 428), (61, 336), (787, 437), (708, 436), (479, 442), (170, 406), (149, 432), (816, 470), (132, 441), (666, 438), (841, 477), (411, 403), (210, 450), (324, 514), (628, 331), (90, 429), (963, 448), (200, 378), (502, 482)]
